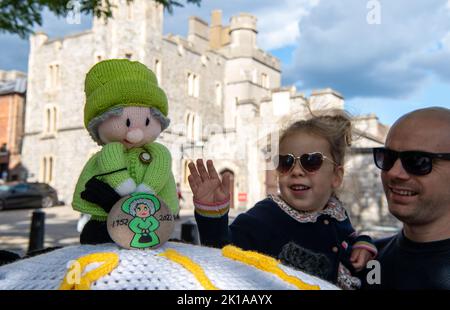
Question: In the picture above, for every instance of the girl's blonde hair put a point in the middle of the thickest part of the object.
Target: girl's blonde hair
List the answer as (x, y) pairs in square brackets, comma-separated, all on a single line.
[(335, 127)]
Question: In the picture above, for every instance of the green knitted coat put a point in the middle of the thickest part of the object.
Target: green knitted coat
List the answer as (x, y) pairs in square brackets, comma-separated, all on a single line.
[(114, 156)]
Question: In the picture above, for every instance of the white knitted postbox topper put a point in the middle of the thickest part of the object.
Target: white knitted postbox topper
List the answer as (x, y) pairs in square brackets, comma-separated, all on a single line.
[(174, 266)]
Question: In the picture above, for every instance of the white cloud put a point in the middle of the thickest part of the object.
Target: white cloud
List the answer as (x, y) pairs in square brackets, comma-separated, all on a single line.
[(338, 48), (278, 25), (279, 32), (445, 41)]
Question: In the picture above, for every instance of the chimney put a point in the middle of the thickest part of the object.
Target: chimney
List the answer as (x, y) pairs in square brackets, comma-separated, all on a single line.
[(215, 32)]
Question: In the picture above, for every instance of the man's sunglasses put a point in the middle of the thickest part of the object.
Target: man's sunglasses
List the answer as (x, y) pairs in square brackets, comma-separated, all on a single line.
[(310, 162), (414, 162)]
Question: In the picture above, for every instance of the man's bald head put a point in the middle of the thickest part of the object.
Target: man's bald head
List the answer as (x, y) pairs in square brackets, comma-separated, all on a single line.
[(429, 123), (439, 112), (434, 114)]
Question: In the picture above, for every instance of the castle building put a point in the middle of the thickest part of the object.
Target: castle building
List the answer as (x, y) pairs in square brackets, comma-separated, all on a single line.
[(225, 98)]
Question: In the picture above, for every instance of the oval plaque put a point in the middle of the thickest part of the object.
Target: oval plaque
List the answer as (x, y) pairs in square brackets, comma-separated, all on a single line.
[(140, 221)]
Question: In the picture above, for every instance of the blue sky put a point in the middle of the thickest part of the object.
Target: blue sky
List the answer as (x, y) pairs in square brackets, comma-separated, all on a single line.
[(385, 57)]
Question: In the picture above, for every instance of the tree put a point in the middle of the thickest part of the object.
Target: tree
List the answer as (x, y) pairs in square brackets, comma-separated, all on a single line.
[(19, 16)]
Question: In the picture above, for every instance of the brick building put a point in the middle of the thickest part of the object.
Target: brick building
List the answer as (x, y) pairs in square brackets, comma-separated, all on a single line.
[(13, 85)]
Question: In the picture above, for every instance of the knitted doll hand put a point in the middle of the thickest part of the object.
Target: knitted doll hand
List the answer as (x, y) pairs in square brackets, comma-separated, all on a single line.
[(126, 187), (100, 193), (142, 188), (206, 186)]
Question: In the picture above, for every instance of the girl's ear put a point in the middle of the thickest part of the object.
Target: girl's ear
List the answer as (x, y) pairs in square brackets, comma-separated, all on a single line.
[(338, 176)]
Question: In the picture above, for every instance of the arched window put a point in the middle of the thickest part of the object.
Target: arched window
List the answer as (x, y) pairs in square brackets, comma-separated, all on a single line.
[(193, 127), (193, 85), (196, 86), (265, 80), (231, 174), (158, 71), (53, 76), (47, 169), (197, 128), (189, 127), (186, 172), (129, 10), (218, 93), (50, 120), (54, 120), (43, 169), (50, 170)]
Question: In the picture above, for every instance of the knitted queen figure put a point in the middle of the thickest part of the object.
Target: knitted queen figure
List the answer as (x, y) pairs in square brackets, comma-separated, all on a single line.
[(125, 112)]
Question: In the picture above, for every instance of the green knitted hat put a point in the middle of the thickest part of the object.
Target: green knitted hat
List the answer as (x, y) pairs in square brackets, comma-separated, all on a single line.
[(119, 83)]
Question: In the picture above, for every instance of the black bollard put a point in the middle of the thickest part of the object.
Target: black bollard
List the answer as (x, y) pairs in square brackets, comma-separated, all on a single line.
[(189, 233), (37, 231)]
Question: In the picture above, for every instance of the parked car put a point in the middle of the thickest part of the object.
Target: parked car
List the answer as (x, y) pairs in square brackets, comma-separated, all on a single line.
[(27, 195)]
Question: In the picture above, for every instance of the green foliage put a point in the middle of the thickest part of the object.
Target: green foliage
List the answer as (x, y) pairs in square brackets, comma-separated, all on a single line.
[(20, 16)]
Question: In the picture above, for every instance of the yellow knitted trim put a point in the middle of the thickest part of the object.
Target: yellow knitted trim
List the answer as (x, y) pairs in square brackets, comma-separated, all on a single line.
[(265, 263), (194, 268), (109, 260)]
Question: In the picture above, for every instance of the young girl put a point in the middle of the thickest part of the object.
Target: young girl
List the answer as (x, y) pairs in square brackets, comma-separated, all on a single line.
[(306, 211)]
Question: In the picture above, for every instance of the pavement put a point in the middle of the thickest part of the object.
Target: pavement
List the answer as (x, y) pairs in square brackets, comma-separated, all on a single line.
[(60, 227)]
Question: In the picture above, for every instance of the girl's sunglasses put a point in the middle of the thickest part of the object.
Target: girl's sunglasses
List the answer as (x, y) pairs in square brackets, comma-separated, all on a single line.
[(310, 162), (414, 162)]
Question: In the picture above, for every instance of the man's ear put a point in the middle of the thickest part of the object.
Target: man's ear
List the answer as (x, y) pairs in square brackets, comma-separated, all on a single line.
[(338, 176)]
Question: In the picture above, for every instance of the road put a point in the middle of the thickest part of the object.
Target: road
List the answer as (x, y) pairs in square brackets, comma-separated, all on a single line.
[(60, 227)]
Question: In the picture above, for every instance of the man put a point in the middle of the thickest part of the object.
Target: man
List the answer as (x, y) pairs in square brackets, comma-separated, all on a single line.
[(416, 178)]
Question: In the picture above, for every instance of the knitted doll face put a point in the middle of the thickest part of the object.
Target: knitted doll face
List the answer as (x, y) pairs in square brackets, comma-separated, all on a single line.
[(302, 190), (134, 128)]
